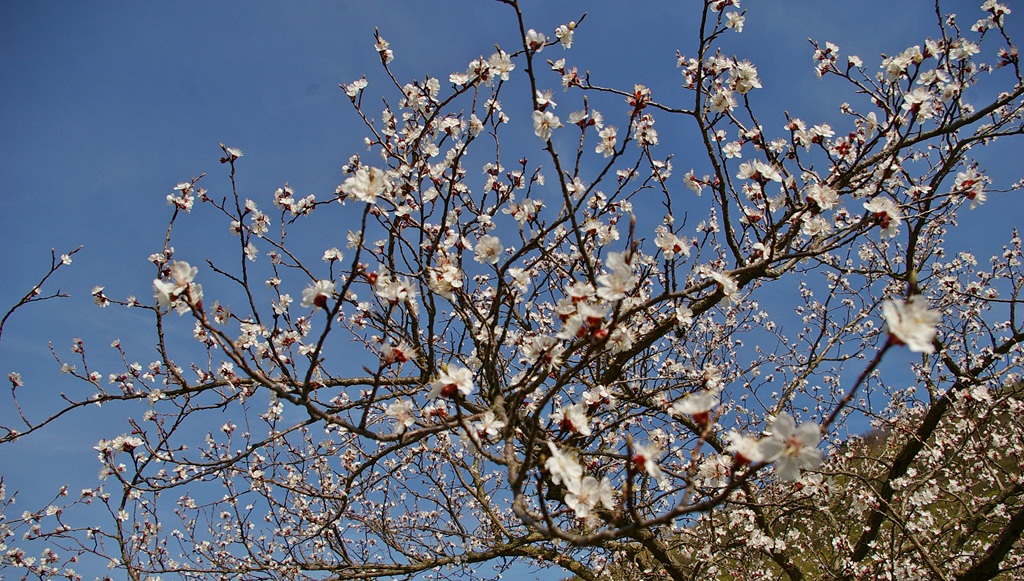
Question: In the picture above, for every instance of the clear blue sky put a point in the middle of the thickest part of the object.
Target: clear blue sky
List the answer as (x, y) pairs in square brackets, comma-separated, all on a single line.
[(105, 107)]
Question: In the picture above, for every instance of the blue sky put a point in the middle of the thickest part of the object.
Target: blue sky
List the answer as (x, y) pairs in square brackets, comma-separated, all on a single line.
[(105, 107)]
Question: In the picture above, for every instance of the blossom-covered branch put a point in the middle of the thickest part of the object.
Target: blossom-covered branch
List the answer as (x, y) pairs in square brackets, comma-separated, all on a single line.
[(540, 357)]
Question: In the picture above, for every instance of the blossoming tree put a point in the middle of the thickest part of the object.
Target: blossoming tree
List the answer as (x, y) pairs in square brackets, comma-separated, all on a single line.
[(537, 357)]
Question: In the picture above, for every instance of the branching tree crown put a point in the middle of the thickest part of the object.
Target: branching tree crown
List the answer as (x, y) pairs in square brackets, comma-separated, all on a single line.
[(589, 354)]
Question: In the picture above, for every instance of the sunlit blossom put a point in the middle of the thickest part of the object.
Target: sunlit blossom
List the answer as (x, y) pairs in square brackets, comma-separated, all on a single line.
[(535, 41), (727, 286), (562, 468), (401, 411), (645, 459), (177, 289), (564, 34), (317, 294), (584, 496), (452, 381), (606, 146), (698, 405), (366, 184), (572, 419), (887, 213), (487, 250), (489, 424), (912, 323), (792, 448), (400, 353), (543, 123), (745, 449), (617, 282)]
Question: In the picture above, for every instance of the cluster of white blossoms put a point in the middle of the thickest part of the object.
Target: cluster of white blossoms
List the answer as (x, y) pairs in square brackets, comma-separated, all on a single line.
[(583, 493), (789, 447), (619, 371), (584, 310), (393, 289), (107, 450), (485, 71), (284, 199), (670, 244), (445, 279), (727, 286), (184, 196), (122, 443), (609, 137)]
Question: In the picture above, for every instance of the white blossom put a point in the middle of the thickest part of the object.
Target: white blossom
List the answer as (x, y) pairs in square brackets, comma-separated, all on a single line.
[(911, 323)]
